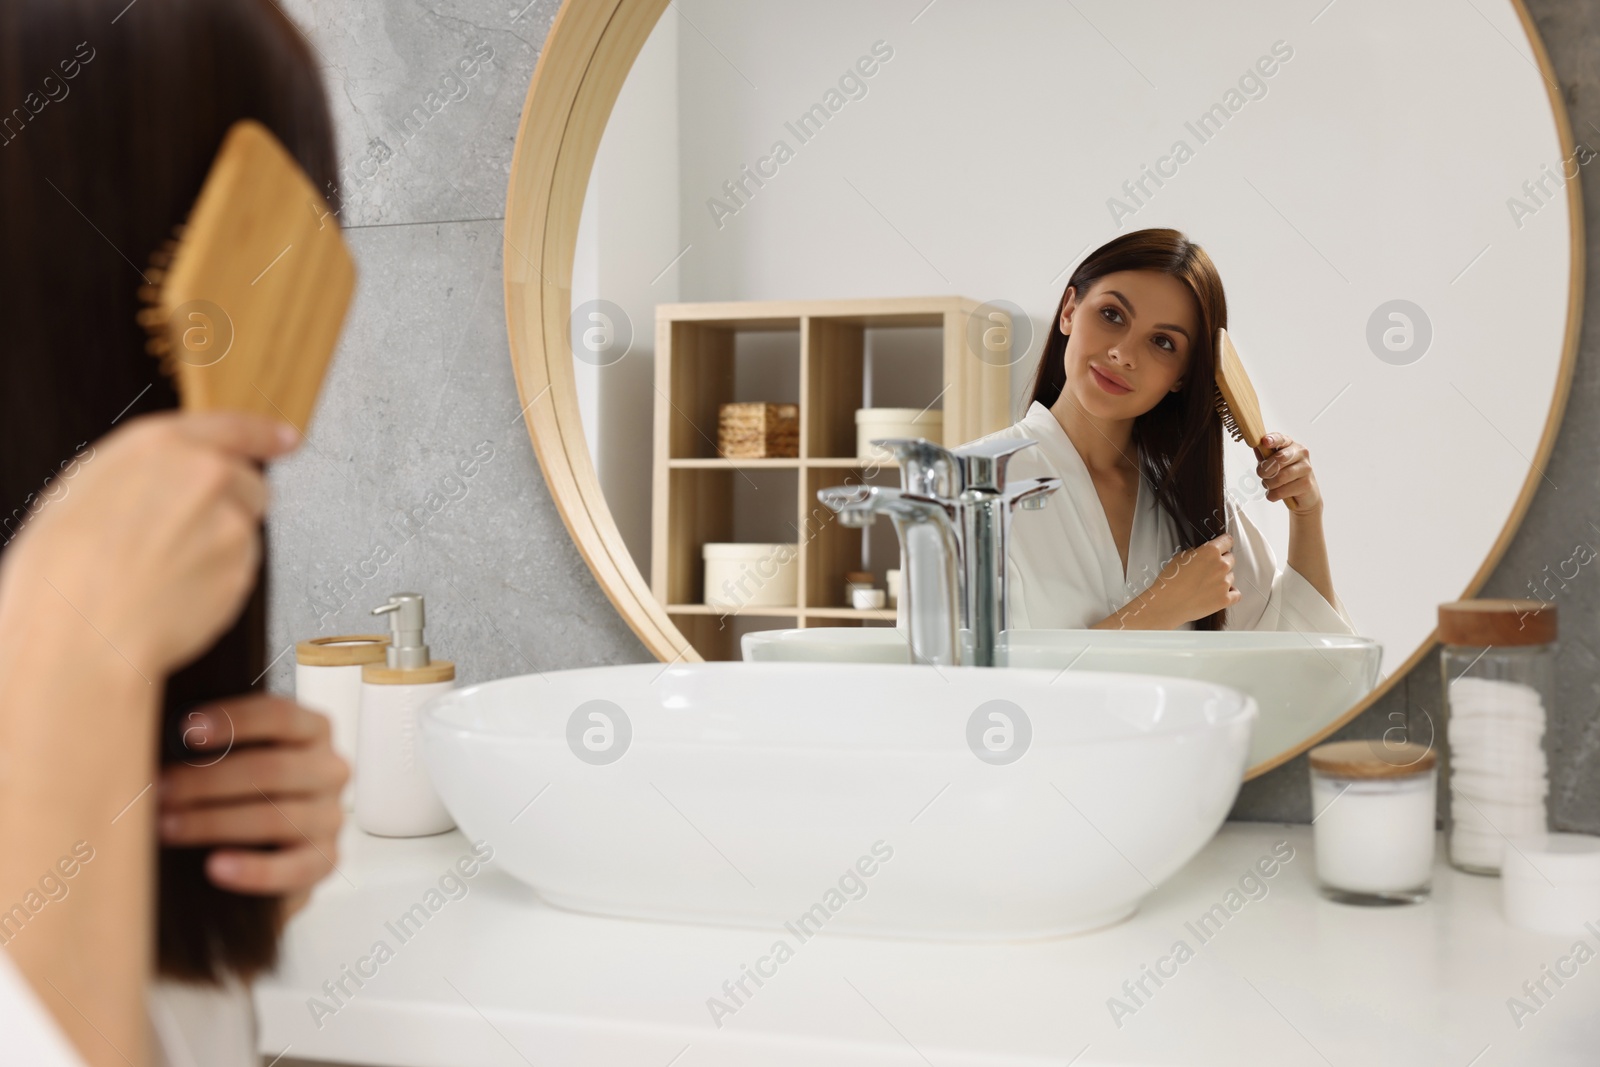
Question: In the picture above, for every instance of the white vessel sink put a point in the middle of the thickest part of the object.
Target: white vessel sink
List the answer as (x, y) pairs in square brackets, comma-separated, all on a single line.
[(761, 793), (1301, 682)]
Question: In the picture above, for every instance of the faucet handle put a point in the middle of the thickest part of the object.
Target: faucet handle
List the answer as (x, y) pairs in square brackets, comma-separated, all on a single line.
[(983, 463), (1032, 494), (926, 469), (857, 505)]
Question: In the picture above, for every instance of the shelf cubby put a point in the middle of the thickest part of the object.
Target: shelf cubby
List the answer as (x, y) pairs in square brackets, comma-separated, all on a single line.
[(814, 353)]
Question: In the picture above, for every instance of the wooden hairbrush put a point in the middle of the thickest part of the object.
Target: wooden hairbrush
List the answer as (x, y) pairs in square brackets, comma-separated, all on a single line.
[(1236, 397), (245, 305)]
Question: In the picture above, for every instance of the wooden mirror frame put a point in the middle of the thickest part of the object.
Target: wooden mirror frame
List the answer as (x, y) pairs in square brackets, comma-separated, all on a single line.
[(586, 58)]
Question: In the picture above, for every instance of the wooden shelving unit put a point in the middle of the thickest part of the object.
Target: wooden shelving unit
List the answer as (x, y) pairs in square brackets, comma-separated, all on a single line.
[(695, 489)]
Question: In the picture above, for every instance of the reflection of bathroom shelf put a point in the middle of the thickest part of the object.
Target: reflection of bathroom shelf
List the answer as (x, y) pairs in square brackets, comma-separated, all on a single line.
[(751, 613), (881, 615), (849, 463), (733, 464), (813, 353)]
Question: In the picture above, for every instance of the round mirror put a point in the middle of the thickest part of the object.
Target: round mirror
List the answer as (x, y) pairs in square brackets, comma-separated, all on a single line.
[(744, 241)]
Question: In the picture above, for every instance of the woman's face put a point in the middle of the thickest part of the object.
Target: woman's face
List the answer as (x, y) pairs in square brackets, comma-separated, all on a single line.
[(1129, 340)]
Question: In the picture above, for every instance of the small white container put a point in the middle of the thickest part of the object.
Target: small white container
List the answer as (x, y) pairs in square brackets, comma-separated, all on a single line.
[(1551, 883), (867, 599), (1372, 824), (327, 678), (878, 423), (753, 575)]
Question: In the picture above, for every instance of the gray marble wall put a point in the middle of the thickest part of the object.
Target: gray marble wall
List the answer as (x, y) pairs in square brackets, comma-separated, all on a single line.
[(374, 503)]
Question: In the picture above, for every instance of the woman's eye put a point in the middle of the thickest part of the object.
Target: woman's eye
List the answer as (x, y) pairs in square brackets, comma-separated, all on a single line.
[(1166, 342), (1111, 314)]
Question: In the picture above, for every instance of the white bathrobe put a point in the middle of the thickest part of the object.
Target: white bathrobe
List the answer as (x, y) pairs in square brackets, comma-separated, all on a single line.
[(1066, 572), (194, 1026), (28, 1032)]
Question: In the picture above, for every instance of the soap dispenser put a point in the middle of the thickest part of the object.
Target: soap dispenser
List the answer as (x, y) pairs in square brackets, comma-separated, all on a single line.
[(394, 795)]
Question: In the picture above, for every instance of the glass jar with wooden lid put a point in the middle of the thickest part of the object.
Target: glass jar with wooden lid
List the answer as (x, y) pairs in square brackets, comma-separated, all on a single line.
[(1372, 824), (1497, 664)]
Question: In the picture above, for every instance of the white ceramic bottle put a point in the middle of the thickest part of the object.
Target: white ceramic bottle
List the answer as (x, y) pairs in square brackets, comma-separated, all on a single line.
[(394, 795), (327, 678)]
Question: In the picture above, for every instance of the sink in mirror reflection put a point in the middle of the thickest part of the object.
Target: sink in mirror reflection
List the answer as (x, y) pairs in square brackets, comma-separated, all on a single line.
[(956, 803), (1300, 681)]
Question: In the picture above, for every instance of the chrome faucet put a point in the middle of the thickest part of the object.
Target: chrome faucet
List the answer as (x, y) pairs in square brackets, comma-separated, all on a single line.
[(952, 513), (987, 500), (929, 534)]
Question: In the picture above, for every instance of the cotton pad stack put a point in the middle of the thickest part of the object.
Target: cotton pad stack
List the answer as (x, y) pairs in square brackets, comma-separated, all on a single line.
[(1499, 777), (1551, 883), (1498, 667)]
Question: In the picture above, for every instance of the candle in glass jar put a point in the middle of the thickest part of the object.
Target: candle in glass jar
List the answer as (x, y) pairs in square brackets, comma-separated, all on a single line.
[(1373, 821)]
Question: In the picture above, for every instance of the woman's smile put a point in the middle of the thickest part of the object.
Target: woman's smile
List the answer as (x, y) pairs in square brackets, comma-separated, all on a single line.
[(1111, 382)]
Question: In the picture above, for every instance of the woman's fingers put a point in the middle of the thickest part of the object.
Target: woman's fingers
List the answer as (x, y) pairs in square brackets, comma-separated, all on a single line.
[(1281, 457), (1296, 472), (1297, 488), (248, 489), (262, 822), (250, 719), (1272, 443), (274, 781), (286, 870), (247, 773), (239, 433)]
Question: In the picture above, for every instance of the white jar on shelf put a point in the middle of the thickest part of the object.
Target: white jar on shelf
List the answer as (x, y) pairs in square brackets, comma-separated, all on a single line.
[(754, 575), (879, 423)]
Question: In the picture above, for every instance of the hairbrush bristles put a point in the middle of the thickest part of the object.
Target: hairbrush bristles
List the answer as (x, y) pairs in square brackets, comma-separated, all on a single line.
[(1229, 426), (151, 315)]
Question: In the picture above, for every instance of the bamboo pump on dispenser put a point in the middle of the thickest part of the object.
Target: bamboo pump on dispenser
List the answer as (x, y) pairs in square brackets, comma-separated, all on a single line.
[(394, 795)]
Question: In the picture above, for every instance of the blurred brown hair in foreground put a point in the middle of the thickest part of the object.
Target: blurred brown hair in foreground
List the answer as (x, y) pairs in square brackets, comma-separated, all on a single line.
[(110, 115)]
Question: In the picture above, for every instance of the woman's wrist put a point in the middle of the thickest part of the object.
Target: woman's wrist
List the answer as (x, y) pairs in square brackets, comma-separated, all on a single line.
[(1311, 516), (47, 590), (62, 681)]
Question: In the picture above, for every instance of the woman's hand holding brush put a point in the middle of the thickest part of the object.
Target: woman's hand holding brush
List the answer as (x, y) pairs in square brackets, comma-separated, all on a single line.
[(1285, 472), (157, 542)]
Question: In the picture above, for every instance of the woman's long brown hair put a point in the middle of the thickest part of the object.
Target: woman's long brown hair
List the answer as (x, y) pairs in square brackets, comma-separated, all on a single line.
[(1180, 439), (96, 169)]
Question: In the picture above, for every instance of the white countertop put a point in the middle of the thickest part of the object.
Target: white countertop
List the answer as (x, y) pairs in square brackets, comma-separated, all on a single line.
[(497, 977)]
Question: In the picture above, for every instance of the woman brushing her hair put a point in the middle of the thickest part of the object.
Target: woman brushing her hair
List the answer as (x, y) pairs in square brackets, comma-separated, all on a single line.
[(193, 811), (1141, 535)]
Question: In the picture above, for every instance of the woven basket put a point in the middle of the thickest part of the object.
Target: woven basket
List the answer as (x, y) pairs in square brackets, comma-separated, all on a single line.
[(758, 431)]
